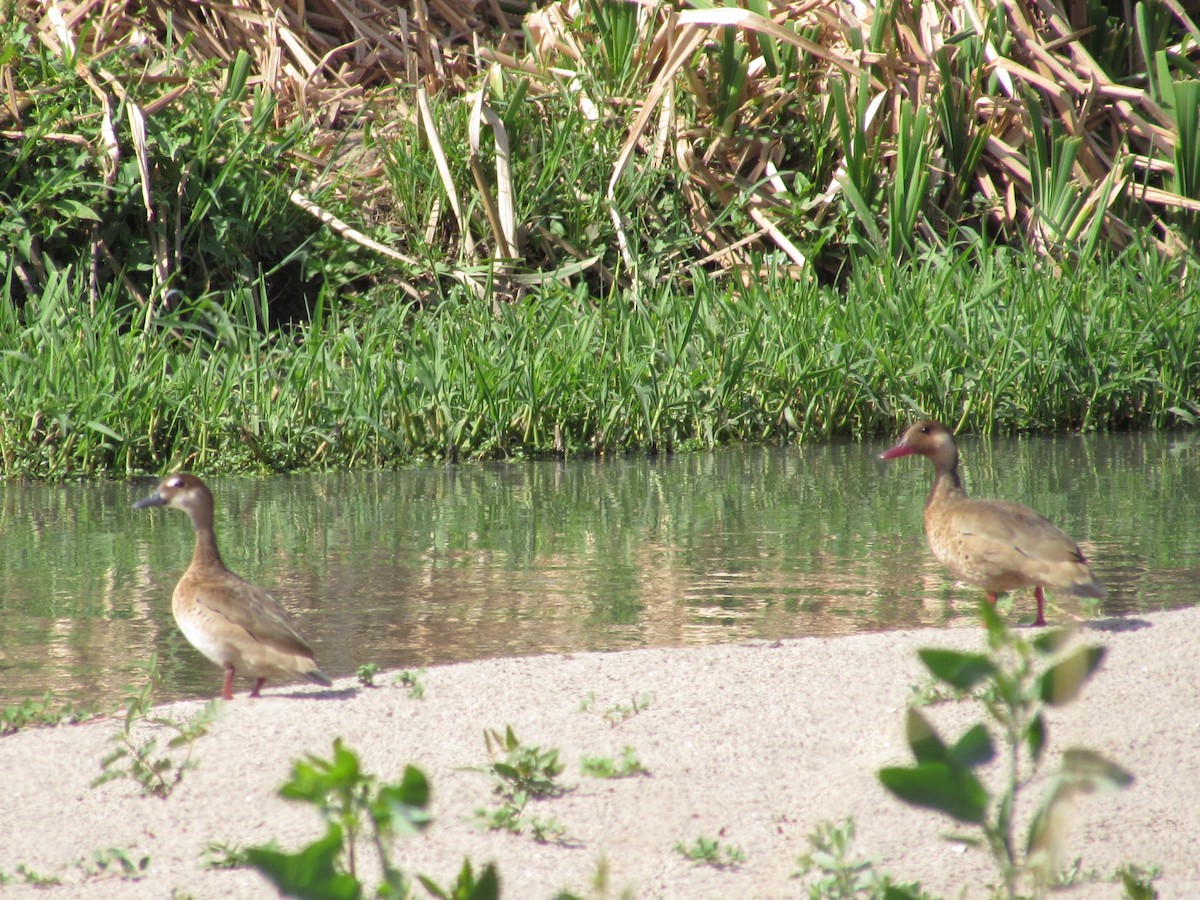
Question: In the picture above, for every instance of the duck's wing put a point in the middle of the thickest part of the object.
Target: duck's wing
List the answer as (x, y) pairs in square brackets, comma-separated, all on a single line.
[(1019, 546), (244, 613), (1025, 533)]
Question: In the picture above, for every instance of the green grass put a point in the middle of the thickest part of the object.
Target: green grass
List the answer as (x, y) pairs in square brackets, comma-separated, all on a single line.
[(232, 331), (626, 766), (990, 342), (35, 713), (708, 851)]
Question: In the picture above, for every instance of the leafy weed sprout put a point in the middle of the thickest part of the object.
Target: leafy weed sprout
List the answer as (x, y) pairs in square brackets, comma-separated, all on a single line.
[(26, 875), (221, 855), (43, 711), (1013, 683), (620, 712), (521, 773), (832, 874), (707, 851), (414, 683), (627, 766), (114, 862), (356, 809), (136, 758), (366, 674)]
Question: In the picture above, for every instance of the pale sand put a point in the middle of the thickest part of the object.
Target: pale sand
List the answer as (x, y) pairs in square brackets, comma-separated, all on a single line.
[(755, 744)]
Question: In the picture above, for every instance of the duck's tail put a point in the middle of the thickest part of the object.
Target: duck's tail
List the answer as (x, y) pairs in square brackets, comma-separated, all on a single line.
[(1077, 579), (318, 677)]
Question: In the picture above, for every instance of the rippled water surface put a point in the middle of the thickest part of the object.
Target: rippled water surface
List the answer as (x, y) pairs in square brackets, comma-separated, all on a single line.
[(423, 566)]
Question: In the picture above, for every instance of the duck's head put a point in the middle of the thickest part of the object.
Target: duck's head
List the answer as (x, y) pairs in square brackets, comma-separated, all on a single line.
[(929, 439), (185, 492)]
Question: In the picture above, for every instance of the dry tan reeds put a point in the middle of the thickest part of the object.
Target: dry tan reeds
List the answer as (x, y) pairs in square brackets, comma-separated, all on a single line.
[(1033, 90)]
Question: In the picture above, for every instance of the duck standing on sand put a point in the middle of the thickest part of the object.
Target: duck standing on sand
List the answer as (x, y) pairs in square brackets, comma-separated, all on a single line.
[(992, 544), (238, 626)]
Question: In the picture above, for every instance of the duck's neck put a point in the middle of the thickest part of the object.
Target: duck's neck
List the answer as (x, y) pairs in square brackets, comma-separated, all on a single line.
[(205, 554), (947, 487)]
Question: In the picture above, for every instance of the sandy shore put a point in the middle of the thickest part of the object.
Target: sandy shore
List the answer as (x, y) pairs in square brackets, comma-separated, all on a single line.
[(753, 744)]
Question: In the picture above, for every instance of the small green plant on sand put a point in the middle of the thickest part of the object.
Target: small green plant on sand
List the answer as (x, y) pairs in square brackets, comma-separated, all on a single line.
[(831, 873), (1019, 677), (220, 855), (114, 862), (521, 773), (599, 888), (44, 711), (366, 674), (931, 692), (607, 767), (618, 712), (102, 865), (356, 809), (412, 681), (1138, 881), (522, 768), (467, 886), (707, 851), (137, 758), (622, 712), (26, 875)]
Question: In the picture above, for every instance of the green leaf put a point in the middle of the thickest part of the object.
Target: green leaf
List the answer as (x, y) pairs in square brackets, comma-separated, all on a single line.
[(74, 209), (1052, 641), (504, 770), (941, 786), (1035, 737), (959, 670), (974, 748), (402, 808), (312, 873), (467, 886), (1061, 683), (924, 740), (996, 629)]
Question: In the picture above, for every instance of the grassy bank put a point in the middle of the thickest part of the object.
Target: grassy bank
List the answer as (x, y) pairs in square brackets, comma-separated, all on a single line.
[(991, 342), (206, 269)]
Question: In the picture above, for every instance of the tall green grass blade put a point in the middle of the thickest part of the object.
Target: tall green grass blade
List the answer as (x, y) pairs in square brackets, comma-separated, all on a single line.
[(1186, 113), (910, 180)]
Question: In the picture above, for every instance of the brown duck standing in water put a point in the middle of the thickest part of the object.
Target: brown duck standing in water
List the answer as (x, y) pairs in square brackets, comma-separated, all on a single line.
[(238, 626), (992, 544)]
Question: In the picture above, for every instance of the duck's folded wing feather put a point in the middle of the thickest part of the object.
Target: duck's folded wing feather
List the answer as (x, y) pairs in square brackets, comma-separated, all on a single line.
[(1017, 528), (257, 614)]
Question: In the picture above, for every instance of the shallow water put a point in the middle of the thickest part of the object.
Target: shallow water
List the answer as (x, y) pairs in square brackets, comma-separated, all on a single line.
[(423, 566)]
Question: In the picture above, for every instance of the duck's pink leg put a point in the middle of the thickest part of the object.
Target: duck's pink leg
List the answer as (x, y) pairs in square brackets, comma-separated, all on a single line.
[(992, 597), (227, 688), (1041, 618), (257, 687)]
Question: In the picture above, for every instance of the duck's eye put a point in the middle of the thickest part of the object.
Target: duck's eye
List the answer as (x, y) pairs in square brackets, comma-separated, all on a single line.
[(176, 481)]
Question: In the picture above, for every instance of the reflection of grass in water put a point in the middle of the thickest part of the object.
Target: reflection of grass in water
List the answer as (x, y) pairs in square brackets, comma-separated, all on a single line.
[(423, 560), (617, 609)]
